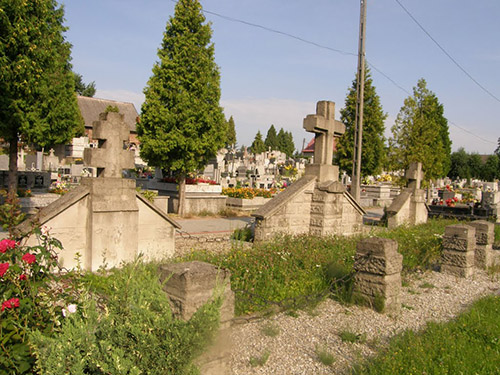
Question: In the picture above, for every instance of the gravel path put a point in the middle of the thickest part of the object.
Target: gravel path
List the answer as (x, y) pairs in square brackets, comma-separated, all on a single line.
[(428, 297)]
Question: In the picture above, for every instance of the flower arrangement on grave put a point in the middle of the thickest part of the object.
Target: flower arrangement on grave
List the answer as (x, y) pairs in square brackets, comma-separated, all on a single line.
[(190, 180), (59, 187), (249, 193)]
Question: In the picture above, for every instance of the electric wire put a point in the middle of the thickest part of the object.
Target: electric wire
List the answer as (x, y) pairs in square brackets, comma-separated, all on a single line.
[(446, 53), (232, 19)]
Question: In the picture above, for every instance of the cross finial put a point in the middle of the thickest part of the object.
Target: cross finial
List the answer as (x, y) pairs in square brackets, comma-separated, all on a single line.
[(325, 128), (111, 157), (414, 175)]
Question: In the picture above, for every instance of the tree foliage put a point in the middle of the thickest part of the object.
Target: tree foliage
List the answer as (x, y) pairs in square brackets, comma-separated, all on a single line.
[(231, 133), (82, 88), (285, 142), (459, 167), (420, 133), (491, 168), (272, 141), (258, 144), (373, 150), (182, 125), (37, 102)]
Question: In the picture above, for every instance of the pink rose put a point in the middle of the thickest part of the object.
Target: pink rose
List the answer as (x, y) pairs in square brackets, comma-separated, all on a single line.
[(7, 244), (3, 268), (29, 258)]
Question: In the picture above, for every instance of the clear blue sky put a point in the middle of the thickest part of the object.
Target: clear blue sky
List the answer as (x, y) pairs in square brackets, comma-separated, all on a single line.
[(269, 78)]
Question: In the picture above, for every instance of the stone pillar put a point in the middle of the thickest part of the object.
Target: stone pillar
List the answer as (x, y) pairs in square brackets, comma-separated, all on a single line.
[(485, 236), (459, 243), (378, 268), (189, 286)]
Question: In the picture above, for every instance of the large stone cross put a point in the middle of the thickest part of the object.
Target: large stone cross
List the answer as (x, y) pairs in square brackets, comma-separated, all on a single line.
[(110, 158), (414, 175), (325, 129)]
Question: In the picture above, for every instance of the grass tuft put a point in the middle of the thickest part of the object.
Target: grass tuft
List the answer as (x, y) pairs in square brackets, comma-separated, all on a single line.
[(261, 359)]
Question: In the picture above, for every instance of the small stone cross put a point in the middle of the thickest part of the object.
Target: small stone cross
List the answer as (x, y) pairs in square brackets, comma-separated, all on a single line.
[(111, 157), (325, 129), (414, 175)]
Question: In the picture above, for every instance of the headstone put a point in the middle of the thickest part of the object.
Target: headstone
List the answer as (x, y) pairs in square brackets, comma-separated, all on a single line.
[(459, 244), (325, 129), (378, 268), (51, 161)]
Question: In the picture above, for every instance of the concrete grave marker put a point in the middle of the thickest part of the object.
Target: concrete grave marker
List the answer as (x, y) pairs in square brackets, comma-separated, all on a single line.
[(111, 157), (325, 129)]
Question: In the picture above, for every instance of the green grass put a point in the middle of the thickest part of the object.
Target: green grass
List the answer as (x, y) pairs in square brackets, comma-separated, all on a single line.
[(324, 356), (260, 360), (469, 344), (352, 337), (270, 329), (294, 272)]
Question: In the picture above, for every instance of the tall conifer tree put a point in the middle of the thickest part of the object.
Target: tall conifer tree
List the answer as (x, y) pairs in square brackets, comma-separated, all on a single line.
[(258, 144), (182, 124), (272, 141), (37, 90), (373, 151), (231, 133)]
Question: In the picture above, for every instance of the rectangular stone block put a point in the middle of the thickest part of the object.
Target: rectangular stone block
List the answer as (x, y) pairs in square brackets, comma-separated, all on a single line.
[(378, 265), (375, 285), (189, 285), (484, 256), (462, 259), (457, 271), (460, 231), (459, 244), (485, 232), (383, 247)]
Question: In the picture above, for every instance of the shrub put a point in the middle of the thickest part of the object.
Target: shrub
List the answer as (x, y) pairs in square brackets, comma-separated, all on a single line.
[(129, 329), (28, 300)]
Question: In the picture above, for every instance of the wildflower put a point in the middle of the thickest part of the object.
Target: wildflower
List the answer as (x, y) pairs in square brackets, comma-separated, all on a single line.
[(71, 309), (10, 304), (29, 258), (7, 244), (3, 268)]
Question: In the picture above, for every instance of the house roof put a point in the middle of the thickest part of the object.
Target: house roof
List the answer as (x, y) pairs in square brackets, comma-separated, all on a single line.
[(91, 108), (309, 149)]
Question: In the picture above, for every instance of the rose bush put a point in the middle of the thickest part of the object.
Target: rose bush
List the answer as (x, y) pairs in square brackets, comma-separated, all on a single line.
[(28, 302)]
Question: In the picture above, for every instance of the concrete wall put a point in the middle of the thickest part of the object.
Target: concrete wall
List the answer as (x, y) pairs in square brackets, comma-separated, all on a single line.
[(156, 236)]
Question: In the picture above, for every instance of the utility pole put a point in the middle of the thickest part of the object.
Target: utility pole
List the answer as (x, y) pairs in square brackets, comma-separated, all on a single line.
[(360, 90)]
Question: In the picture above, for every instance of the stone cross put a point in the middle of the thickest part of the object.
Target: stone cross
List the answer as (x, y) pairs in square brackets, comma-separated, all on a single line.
[(110, 158), (414, 175), (325, 129)]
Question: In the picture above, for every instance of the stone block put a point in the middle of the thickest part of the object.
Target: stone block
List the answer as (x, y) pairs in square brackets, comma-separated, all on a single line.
[(458, 258), (376, 285), (457, 271), (485, 232), (459, 238), (190, 285), (484, 256)]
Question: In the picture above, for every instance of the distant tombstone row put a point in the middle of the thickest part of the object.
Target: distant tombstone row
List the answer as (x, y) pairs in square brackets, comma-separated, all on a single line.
[(27, 179)]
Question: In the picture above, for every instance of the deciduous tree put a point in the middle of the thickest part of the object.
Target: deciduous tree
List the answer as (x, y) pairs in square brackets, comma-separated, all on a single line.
[(182, 124), (37, 90), (82, 88), (459, 165), (420, 133)]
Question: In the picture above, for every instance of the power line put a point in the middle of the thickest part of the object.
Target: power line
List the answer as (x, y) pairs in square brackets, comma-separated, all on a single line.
[(232, 19), (446, 53)]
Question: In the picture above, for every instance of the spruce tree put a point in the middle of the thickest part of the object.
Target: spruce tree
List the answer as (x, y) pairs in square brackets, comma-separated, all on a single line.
[(82, 88), (37, 90), (420, 133), (182, 124), (285, 142), (272, 141), (231, 133), (258, 145), (373, 150)]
